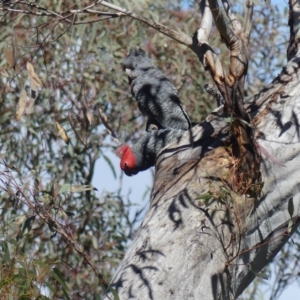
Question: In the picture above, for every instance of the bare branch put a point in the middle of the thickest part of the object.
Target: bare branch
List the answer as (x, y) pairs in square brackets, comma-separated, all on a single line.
[(96, 20), (25, 11), (206, 23), (202, 48), (177, 36), (64, 16), (33, 5), (248, 21), (294, 23), (236, 25), (238, 53), (102, 13), (223, 27)]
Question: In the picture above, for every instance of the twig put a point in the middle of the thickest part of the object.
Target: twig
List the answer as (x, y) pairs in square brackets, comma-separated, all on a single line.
[(219, 18), (177, 36), (96, 20), (62, 16)]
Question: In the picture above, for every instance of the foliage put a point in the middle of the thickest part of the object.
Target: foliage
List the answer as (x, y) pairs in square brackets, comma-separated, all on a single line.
[(52, 137)]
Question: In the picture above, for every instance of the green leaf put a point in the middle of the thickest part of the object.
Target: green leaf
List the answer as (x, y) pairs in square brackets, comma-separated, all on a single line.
[(290, 226), (56, 275), (19, 219), (257, 273), (66, 294), (64, 188), (224, 189), (26, 227), (82, 188), (247, 123), (263, 275), (13, 242), (52, 227), (50, 287), (95, 242), (206, 196), (291, 207), (69, 213), (229, 119), (97, 296), (71, 150), (114, 292), (5, 257), (110, 165)]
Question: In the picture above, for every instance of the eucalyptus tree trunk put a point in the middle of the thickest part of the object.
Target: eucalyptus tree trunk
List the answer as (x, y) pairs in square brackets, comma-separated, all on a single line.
[(208, 231)]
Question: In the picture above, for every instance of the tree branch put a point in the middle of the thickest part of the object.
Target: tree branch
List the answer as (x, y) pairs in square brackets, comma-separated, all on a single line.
[(248, 21), (179, 37), (294, 23), (238, 58), (225, 31), (206, 23), (236, 25), (202, 48), (64, 16)]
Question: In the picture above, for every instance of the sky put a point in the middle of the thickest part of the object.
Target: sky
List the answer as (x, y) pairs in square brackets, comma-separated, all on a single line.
[(104, 181)]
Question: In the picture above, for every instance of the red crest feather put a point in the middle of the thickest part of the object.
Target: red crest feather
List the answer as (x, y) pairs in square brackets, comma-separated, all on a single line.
[(128, 160), (121, 150)]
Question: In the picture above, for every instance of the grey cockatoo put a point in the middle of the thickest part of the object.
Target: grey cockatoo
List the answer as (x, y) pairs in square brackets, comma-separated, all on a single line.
[(142, 155), (156, 96)]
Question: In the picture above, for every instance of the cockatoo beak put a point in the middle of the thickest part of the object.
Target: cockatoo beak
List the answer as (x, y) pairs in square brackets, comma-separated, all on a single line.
[(128, 72)]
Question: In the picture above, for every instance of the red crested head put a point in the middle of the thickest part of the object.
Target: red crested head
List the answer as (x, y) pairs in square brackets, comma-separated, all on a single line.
[(128, 160)]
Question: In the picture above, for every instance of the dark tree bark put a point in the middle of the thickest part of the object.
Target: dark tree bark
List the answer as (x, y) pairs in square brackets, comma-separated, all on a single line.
[(208, 233)]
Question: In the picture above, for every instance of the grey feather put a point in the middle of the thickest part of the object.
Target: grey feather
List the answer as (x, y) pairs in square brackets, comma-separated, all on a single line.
[(148, 147), (156, 96)]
